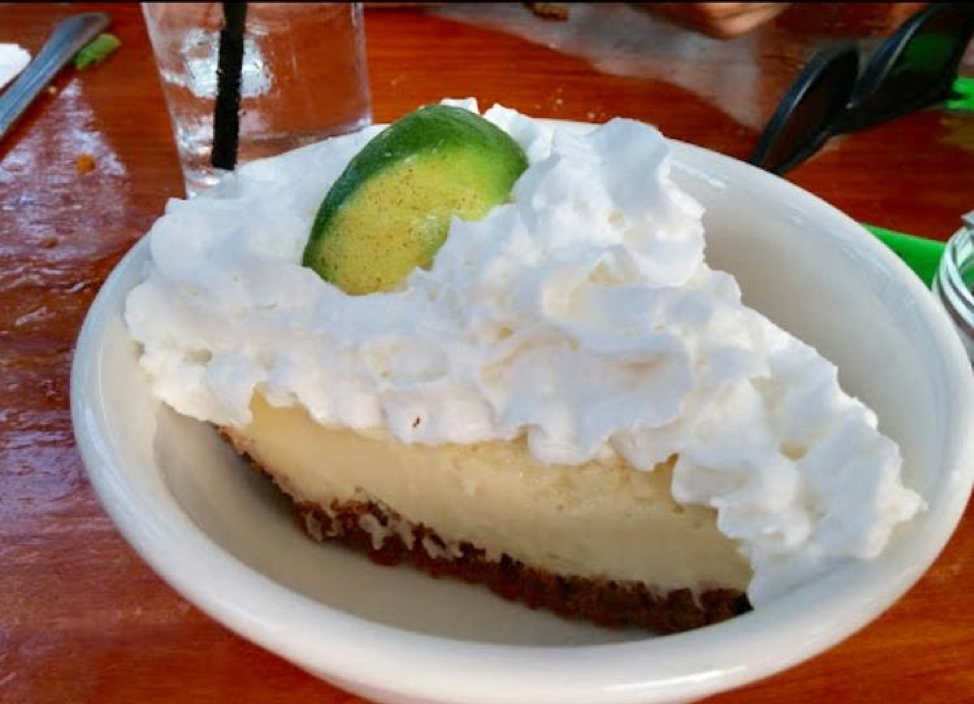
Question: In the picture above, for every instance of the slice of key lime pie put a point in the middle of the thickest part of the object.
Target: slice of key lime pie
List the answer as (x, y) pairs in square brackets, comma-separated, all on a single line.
[(490, 346)]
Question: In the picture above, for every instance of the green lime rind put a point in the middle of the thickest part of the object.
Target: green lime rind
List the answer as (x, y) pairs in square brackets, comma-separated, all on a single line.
[(96, 51), (390, 210)]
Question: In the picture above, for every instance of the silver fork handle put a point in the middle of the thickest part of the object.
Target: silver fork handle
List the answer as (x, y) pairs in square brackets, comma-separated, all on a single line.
[(68, 37)]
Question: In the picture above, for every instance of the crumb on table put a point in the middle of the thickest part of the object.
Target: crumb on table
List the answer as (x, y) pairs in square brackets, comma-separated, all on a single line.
[(549, 10), (85, 163)]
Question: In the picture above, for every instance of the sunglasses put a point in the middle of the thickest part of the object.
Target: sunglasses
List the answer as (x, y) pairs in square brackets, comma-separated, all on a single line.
[(912, 69)]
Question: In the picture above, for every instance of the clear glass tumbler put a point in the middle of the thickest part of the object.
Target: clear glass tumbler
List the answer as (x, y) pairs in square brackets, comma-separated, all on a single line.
[(303, 77), (954, 282)]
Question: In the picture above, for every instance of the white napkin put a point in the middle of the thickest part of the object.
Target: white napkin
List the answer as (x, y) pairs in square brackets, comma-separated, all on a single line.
[(13, 59)]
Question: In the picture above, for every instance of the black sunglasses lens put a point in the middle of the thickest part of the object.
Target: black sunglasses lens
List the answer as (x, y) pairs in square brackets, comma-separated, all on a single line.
[(922, 71), (806, 122), (801, 123)]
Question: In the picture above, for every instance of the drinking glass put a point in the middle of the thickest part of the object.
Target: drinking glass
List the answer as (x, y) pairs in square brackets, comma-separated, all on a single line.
[(303, 77), (954, 282)]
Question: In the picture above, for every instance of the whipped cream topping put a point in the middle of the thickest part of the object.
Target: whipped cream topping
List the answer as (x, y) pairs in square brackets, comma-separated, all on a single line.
[(580, 315)]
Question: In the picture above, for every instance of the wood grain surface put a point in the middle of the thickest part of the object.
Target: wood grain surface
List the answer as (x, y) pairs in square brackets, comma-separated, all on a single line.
[(83, 619)]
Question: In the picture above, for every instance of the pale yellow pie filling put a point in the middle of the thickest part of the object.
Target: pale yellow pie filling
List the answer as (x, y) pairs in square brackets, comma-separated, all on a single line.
[(600, 520)]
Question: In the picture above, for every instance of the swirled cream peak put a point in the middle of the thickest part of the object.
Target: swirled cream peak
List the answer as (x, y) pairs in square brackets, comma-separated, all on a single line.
[(580, 315)]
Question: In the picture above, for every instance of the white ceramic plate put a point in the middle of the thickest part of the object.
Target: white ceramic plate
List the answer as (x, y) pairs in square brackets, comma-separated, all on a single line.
[(224, 539)]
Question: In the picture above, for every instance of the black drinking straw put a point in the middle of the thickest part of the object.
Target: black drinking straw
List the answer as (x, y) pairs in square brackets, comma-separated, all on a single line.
[(226, 112)]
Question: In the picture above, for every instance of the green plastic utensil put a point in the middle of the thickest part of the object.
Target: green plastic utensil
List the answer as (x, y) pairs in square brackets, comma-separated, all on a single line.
[(920, 254)]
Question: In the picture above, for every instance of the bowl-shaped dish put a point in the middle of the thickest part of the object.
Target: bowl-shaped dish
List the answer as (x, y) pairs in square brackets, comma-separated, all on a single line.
[(224, 539)]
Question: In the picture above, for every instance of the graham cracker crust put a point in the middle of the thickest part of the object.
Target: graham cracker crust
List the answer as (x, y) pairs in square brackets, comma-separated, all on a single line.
[(602, 601)]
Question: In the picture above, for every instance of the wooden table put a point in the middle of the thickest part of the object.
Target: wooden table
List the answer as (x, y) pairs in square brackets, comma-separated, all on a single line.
[(82, 619)]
